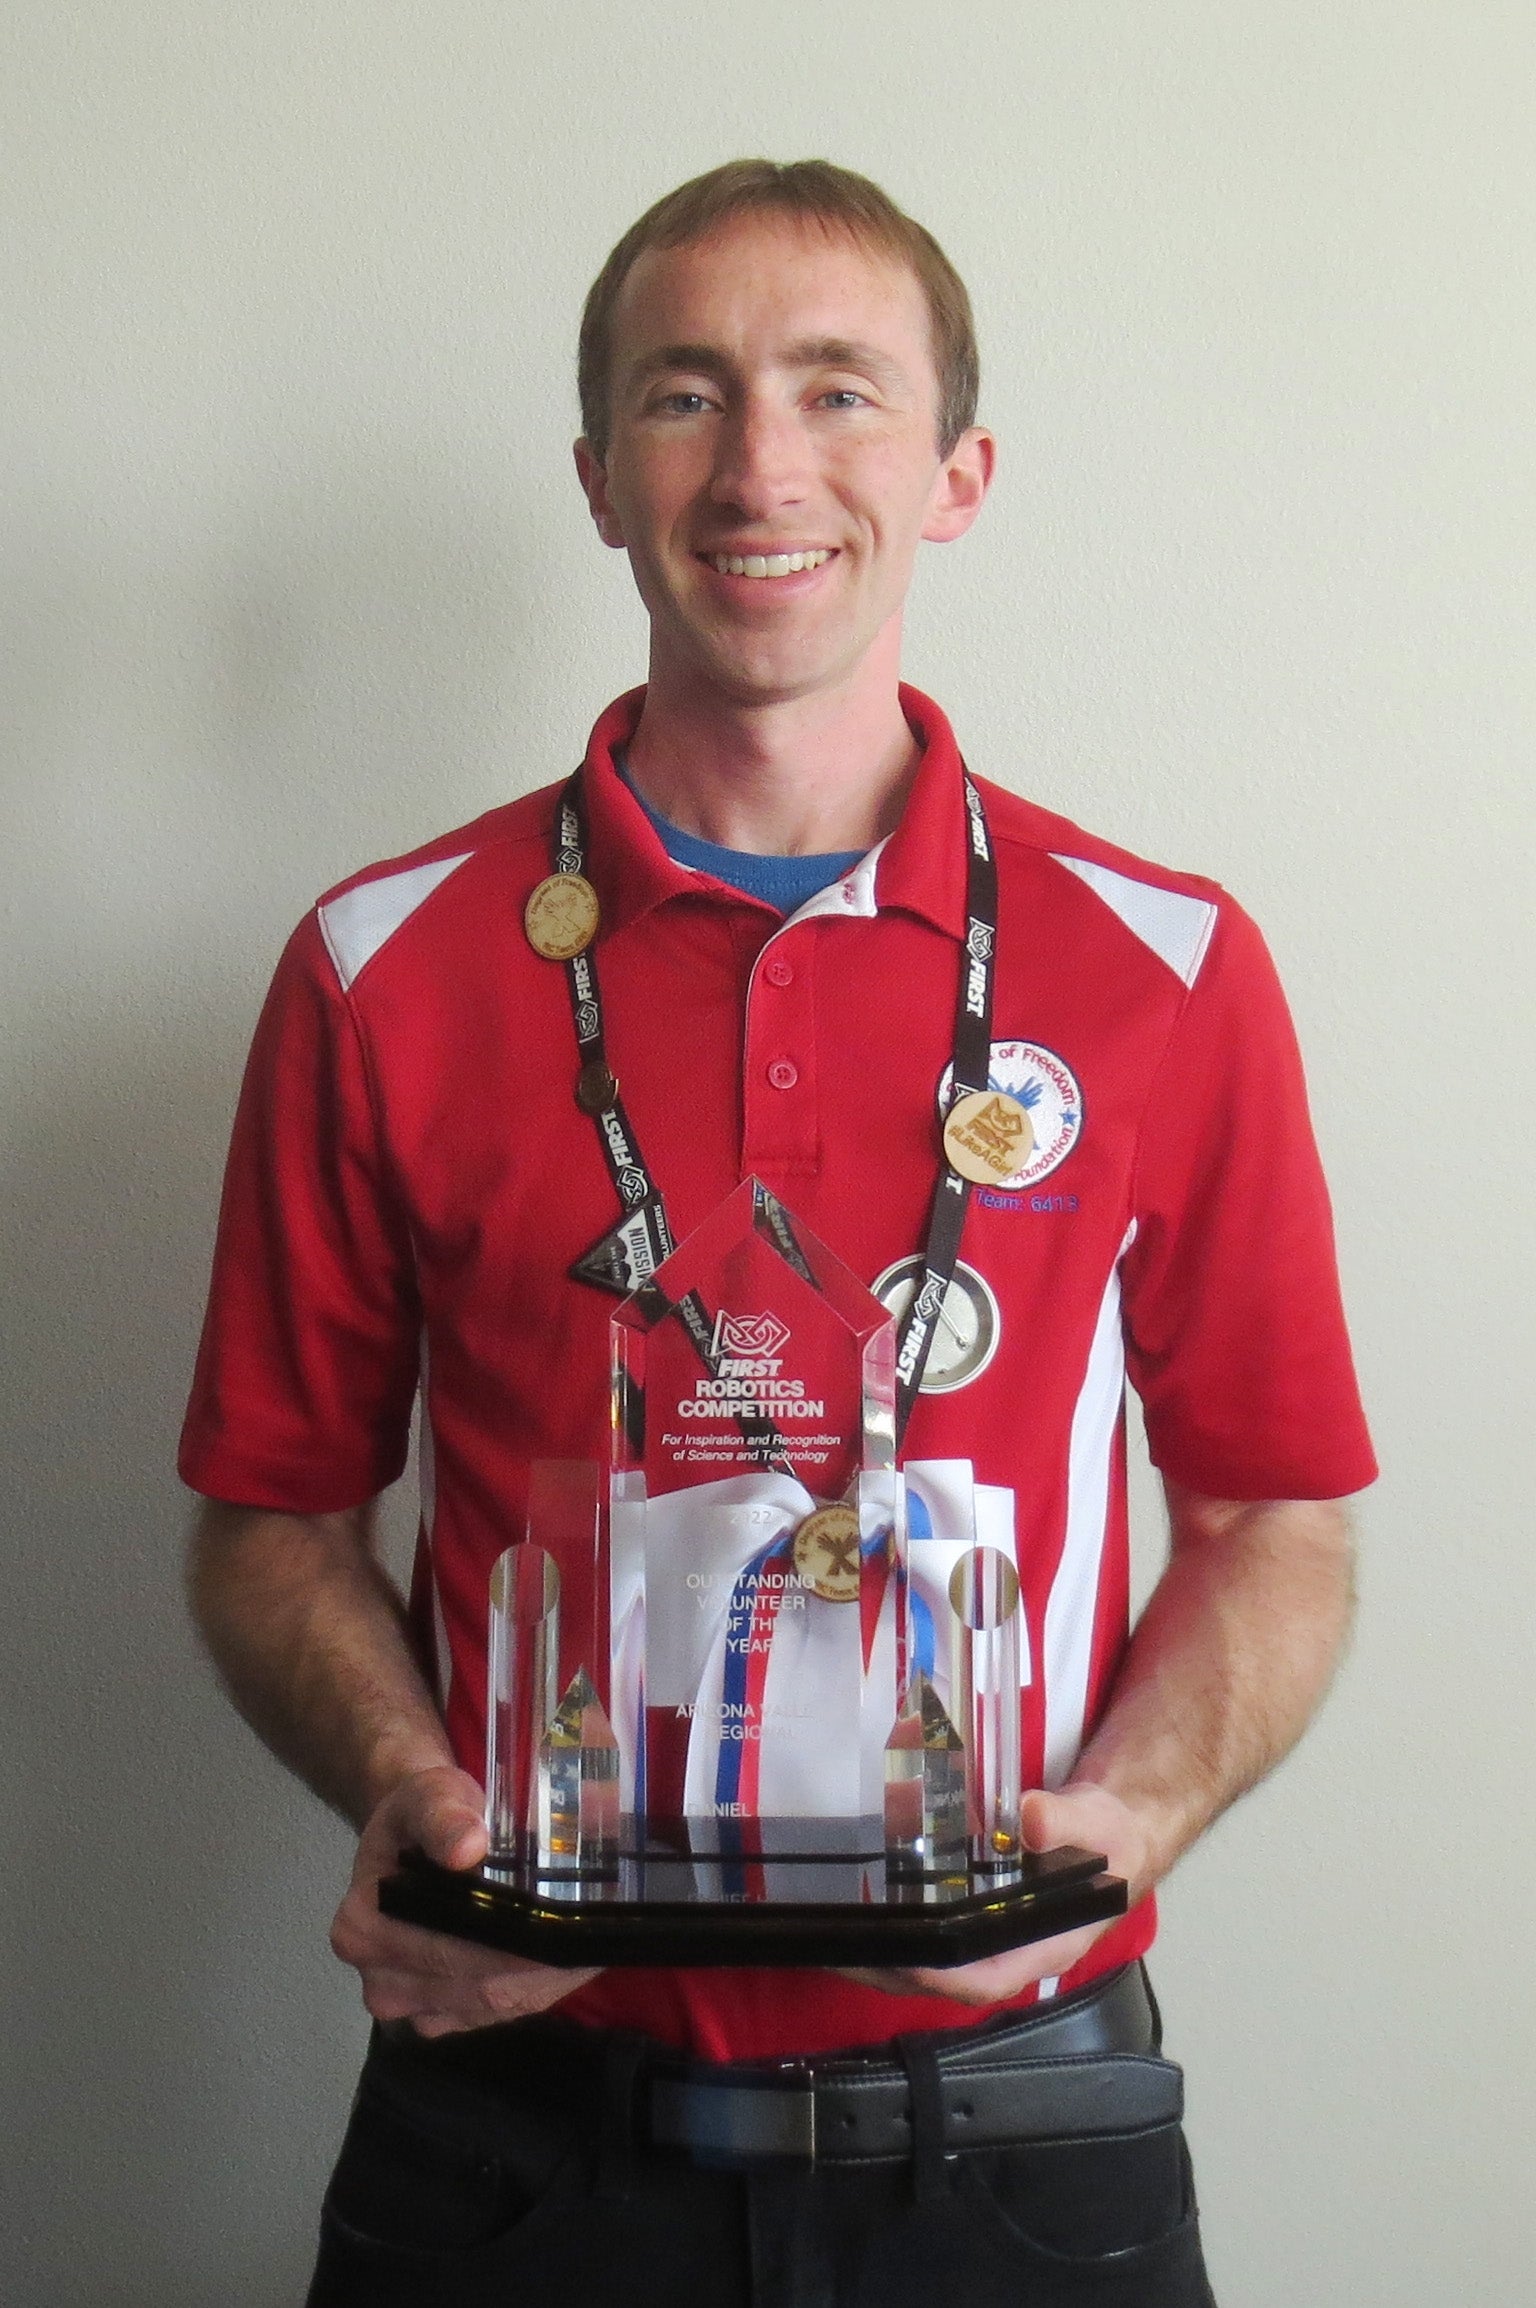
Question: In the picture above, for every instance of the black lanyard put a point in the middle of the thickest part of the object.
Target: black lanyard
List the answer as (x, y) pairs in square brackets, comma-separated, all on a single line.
[(627, 1257)]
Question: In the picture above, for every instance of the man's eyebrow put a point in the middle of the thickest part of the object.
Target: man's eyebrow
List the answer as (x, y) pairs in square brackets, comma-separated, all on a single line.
[(693, 360), (847, 353), (808, 353)]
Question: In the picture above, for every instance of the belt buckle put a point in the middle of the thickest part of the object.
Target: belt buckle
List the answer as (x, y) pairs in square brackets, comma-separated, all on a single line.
[(741, 2122)]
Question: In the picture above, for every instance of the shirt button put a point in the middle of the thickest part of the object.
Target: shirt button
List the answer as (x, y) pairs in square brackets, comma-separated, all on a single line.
[(778, 972), (783, 1073)]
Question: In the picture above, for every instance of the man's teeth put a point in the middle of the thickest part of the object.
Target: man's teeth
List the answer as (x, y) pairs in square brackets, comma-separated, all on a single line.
[(768, 564)]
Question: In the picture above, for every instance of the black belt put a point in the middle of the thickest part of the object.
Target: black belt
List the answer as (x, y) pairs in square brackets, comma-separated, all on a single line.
[(1090, 2065), (1087, 2064)]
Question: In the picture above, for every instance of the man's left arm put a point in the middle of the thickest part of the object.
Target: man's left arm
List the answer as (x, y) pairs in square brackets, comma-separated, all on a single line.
[(1228, 1664)]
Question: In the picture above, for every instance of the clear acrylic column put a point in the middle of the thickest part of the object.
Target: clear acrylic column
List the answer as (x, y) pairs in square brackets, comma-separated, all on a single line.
[(984, 1680), (576, 1793), (925, 1788), (522, 1692), (548, 1738)]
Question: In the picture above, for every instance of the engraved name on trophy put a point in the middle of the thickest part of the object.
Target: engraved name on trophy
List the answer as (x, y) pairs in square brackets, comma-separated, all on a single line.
[(739, 1712)]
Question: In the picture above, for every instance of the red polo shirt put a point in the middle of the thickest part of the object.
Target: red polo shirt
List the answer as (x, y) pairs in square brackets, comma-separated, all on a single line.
[(410, 1181)]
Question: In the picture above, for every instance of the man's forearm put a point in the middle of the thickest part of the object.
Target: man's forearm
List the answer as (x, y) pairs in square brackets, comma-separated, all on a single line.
[(1228, 1664), (311, 1640), (309, 1635)]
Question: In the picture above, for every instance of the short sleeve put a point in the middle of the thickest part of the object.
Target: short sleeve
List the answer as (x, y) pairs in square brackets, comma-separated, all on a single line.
[(1235, 1334), (306, 1373)]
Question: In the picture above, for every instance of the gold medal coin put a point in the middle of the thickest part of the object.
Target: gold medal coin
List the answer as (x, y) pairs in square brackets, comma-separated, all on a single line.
[(987, 1136), (561, 916), (827, 1553)]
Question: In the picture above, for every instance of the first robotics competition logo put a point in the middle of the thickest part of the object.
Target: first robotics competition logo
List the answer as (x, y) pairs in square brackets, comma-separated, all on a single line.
[(750, 1338), (1046, 1088), (746, 1373)]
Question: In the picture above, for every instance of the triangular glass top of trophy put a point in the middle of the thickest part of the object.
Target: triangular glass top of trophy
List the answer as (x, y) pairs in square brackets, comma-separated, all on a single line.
[(754, 1325), (581, 1720), (925, 1726)]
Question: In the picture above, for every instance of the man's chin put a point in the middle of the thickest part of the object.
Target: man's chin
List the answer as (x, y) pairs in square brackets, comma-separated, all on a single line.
[(755, 679)]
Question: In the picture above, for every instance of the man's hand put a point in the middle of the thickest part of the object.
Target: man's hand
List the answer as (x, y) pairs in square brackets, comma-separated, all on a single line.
[(310, 1636), (441, 1985), (1083, 1814), (1227, 1666)]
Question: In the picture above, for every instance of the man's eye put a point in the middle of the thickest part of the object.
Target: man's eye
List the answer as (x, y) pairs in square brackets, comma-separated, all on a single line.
[(843, 397), (682, 404)]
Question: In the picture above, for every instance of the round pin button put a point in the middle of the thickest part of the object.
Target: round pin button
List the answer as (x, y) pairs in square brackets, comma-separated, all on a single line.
[(966, 1329), (778, 972), (596, 1087), (783, 1073), (987, 1136), (561, 916)]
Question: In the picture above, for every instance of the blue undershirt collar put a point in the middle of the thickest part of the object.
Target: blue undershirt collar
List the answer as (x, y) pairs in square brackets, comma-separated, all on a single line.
[(784, 882)]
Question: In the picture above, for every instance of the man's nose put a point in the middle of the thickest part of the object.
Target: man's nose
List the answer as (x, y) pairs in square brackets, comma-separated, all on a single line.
[(762, 464)]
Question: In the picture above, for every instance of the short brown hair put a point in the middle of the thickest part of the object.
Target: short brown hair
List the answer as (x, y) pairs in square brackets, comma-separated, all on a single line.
[(820, 193)]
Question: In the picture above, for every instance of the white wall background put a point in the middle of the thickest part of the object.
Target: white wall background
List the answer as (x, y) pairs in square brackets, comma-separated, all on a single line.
[(293, 573)]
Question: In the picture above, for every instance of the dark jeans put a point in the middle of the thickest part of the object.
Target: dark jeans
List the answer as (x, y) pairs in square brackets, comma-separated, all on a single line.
[(464, 2185)]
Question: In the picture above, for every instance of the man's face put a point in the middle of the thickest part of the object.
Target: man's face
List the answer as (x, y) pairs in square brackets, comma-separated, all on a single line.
[(775, 400)]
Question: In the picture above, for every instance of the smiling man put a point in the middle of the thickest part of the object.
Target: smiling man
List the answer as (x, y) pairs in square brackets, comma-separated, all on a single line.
[(770, 450), (778, 384)]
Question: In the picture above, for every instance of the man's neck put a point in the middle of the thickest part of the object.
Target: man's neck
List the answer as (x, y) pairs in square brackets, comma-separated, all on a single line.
[(795, 778)]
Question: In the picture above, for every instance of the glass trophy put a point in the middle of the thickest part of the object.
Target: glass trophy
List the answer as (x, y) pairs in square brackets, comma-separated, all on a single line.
[(743, 1706)]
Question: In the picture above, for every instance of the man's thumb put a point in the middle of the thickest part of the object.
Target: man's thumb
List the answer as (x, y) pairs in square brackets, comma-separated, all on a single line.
[(1043, 1823), (450, 1828)]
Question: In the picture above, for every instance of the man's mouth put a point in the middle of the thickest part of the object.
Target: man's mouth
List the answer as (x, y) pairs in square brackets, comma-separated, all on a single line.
[(767, 564)]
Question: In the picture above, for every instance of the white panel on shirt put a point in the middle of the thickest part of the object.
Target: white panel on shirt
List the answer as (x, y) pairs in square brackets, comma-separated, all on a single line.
[(1177, 928), (1072, 1609), (1073, 1606), (361, 920)]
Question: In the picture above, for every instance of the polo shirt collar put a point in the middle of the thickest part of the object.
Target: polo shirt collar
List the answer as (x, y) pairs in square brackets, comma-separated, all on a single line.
[(920, 868), (626, 863), (922, 865)]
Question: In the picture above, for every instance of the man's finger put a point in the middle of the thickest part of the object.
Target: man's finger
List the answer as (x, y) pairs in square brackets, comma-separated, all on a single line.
[(361, 1935), (433, 2024)]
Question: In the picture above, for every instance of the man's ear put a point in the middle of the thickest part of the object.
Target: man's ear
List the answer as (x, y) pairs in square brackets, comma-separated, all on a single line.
[(593, 476), (960, 488)]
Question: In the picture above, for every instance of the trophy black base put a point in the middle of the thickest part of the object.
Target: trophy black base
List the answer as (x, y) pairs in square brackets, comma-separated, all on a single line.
[(664, 1906)]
